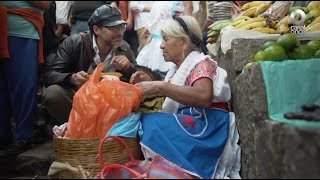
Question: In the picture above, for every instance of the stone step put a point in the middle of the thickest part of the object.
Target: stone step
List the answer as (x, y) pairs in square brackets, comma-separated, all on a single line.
[(276, 150), (270, 149), (33, 163), (249, 97)]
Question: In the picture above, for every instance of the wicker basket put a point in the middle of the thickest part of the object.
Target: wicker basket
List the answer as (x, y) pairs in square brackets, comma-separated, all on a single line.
[(84, 153)]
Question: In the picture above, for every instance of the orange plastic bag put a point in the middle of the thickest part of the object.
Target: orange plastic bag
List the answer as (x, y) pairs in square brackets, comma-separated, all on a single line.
[(97, 105)]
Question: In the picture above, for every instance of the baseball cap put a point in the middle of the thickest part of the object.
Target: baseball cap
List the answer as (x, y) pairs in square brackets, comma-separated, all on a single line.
[(106, 15)]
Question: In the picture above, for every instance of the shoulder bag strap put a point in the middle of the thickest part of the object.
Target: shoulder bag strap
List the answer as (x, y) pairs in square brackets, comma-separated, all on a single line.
[(85, 42)]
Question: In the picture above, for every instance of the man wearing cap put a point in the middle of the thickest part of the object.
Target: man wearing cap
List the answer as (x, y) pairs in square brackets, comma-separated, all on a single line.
[(78, 56)]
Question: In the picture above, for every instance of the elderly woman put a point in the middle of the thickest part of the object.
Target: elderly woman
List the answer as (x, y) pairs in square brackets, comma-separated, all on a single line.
[(192, 128)]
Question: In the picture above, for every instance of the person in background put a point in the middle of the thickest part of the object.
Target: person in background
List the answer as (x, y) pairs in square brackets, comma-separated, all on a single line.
[(79, 54), (21, 49), (151, 55), (50, 45), (62, 14), (130, 35), (141, 11), (50, 41), (81, 12)]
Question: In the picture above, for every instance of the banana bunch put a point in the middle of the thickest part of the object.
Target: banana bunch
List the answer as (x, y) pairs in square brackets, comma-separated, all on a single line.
[(283, 29), (256, 24), (238, 20), (272, 21), (265, 30), (215, 28), (248, 21), (284, 21), (255, 8), (313, 5), (282, 26), (314, 26), (262, 8), (249, 5)]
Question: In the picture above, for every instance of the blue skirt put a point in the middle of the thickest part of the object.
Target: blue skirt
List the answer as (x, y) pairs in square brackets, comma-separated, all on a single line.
[(193, 139)]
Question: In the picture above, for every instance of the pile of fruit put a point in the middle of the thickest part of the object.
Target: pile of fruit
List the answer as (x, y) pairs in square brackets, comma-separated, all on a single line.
[(250, 18), (215, 28), (287, 46)]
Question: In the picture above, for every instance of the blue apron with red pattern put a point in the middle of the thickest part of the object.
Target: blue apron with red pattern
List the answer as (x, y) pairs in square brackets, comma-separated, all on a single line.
[(193, 138)]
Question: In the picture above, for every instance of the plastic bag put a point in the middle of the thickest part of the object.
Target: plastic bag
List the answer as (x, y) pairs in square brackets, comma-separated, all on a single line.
[(278, 9), (97, 105), (236, 9)]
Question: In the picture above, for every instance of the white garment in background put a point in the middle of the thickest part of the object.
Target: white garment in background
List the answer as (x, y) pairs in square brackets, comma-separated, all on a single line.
[(62, 11), (140, 18), (195, 7), (151, 55)]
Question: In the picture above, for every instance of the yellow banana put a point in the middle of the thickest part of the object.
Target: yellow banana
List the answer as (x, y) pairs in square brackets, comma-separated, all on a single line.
[(213, 33), (211, 40), (262, 8), (315, 27), (250, 12), (254, 25), (271, 23), (234, 24), (313, 5), (219, 26), (283, 29), (317, 20), (265, 30), (249, 5), (249, 21), (285, 20), (240, 18), (217, 23)]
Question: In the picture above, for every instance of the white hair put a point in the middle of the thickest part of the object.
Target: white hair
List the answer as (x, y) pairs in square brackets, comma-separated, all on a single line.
[(172, 28)]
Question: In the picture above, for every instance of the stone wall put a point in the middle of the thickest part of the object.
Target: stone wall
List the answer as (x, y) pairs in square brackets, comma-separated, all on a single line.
[(268, 149)]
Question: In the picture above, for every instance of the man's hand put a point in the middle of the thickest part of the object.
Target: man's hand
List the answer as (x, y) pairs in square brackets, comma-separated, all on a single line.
[(79, 78), (120, 62), (139, 76), (129, 25), (146, 33)]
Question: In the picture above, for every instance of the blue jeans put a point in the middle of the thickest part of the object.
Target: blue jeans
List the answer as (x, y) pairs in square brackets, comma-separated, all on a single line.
[(18, 88)]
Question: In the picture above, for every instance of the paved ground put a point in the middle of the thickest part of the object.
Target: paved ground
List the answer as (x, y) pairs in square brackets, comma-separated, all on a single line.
[(32, 164)]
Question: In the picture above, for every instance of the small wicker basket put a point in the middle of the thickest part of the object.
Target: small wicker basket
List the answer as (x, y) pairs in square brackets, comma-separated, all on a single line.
[(84, 152)]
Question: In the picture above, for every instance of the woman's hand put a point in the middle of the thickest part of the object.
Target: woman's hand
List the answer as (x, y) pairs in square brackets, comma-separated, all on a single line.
[(150, 88), (139, 76)]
